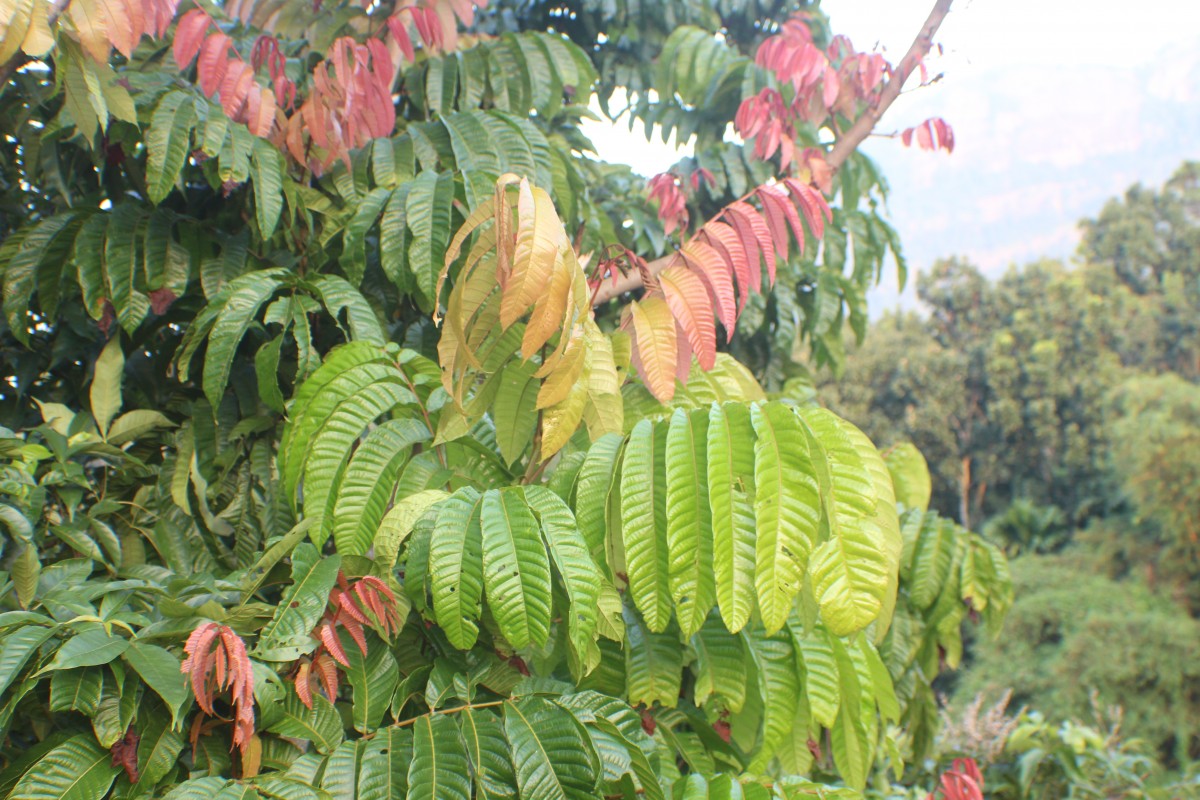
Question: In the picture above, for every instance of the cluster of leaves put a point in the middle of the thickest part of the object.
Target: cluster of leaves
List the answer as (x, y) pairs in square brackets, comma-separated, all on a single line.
[(342, 550)]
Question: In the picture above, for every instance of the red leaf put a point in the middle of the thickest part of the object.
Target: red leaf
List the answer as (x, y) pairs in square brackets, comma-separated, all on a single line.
[(235, 86), (303, 687), (124, 754), (214, 61), (399, 30), (189, 35), (812, 204), (780, 211), (161, 300), (327, 670), (691, 306), (683, 358)]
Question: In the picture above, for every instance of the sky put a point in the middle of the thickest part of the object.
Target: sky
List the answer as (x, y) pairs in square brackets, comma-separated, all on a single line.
[(1057, 105)]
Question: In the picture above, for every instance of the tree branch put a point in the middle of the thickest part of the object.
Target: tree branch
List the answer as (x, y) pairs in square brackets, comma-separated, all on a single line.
[(845, 145)]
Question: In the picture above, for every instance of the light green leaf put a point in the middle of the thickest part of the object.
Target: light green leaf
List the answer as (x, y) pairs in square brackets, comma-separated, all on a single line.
[(515, 568), (653, 664), (548, 751), (644, 522), (488, 751), (689, 520), (439, 767), (105, 393), (456, 566), (398, 523), (515, 409), (287, 636), (731, 497)]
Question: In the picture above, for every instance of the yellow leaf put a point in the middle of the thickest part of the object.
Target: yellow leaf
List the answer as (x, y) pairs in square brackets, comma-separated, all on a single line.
[(655, 347), (566, 374), (39, 39), (17, 15), (540, 236), (560, 421), (605, 409), (548, 314), (91, 27)]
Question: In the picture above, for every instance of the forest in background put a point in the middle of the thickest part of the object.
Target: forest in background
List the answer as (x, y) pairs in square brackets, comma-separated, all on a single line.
[(1058, 409)]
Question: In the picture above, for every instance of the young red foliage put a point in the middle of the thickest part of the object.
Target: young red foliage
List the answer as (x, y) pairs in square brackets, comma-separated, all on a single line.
[(963, 781), (217, 661), (932, 134), (124, 754), (672, 205)]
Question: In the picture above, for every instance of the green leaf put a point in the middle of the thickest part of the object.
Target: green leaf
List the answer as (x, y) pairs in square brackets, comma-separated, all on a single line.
[(689, 520), (593, 493), (399, 522), (372, 680), (267, 173), (168, 143), (340, 778), (338, 295), (731, 497), (158, 750), (247, 293), (720, 666), (320, 725), (548, 751), (369, 483), (932, 560), (439, 767), (354, 248), (644, 523), (133, 425), (288, 634), (515, 409), (105, 393), (160, 670), (17, 647), (75, 770), (88, 649), (579, 575), (266, 370), (910, 476), (121, 263), (428, 214), (383, 774), (779, 686), (821, 677), (487, 750), (456, 565), (76, 690), (653, 664), (516, 570), (786, 509)]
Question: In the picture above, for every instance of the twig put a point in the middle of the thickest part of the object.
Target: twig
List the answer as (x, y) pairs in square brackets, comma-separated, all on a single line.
[(846, 144)]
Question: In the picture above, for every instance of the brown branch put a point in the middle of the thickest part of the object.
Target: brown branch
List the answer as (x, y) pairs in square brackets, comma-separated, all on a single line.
[(19, 58), (845, 145)]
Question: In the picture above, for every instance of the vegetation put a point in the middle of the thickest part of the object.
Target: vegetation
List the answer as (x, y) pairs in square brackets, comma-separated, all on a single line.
[(330, 470)]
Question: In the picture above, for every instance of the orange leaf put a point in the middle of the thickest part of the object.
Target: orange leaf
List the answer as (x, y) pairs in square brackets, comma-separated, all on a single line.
[(91, 25), (235, 85), (812, 203), (655, 350), (717, 274), (756, 238), (539, 237), (688, 300), (214, 61), (329, 638), (303, 687), (725, 240), (125, 23), (327, 670), (780, 215)]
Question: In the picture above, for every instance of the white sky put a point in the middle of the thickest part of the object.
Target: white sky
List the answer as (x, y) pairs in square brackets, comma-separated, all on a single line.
[(1056, 105)]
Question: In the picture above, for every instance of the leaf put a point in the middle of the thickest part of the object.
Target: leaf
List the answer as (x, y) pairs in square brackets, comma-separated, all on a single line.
[(286, 636), (516, 569), (653, 664), (246, 295), (779, 685), (161, 672), (593, 489), (821, 676), (932, 560), (372, 680), (720, 666), (267, 172), (428, 214), (488, 751), (75, 770), (515, 409), (689, 520), (105, 393), (158, 750), (399, 522), (383, 774), (439, 767), (369, 483), (16, 648), (121, 266), (655, 345), (76, 690), (692, 307), (910, 476), (579, 575), (320, 725), (168, 142), (88, 649), (731, 498), (132, 425), (548, 751), (644, 522), (786, 509), (456, 565), (540, 237), (266, 370)]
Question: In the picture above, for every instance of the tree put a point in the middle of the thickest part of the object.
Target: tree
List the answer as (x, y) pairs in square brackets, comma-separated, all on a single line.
[(322, 476)]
